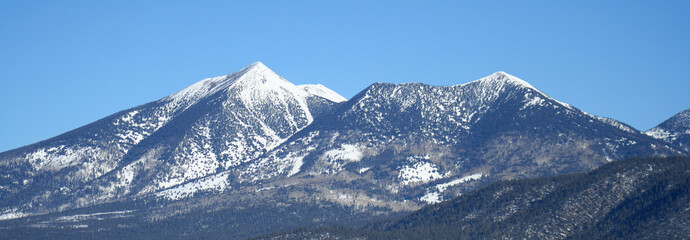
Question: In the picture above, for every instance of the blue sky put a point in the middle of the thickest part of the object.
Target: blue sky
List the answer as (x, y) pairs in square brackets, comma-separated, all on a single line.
[(64, 64)]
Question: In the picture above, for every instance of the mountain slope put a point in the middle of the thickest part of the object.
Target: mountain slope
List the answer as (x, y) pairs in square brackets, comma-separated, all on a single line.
[(628, 199), (208, 127), (675, 130)]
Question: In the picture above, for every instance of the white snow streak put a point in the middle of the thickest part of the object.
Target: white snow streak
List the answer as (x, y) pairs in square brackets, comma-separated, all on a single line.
[(296, 165), (218, 182), (442, 187)]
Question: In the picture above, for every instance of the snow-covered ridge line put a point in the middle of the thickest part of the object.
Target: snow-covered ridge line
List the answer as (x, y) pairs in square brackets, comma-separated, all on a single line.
[(209, 86), (617, 124), (255, 71), (503, 77), (498, 80), (322, 91)]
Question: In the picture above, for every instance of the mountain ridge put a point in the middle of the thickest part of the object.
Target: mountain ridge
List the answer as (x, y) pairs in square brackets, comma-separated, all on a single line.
[(253, 140)]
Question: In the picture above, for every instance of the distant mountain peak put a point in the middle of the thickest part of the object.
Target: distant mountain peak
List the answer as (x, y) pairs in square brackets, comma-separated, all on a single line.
[(504, 77), (322, 91), (258, 73), (254, 75), (500, 80)]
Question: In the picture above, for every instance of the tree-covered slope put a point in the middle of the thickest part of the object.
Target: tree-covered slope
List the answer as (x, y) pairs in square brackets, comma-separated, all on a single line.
[(629, 199)]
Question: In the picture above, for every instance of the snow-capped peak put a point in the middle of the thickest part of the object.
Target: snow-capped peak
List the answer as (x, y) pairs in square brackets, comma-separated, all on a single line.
[(500, 79), (505, 77), (256, 65), (322, 91), (256, 74), (258, 83)]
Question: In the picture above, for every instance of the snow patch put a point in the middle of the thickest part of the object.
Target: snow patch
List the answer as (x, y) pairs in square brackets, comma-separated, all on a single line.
[(420, 172), (93, 216), (56, 158), (536, 101), (347, 152), (659, 133), (432, 197), (131, 137), (127, 118), (12, 215), (218, 182), (434, 194), (296, 165)]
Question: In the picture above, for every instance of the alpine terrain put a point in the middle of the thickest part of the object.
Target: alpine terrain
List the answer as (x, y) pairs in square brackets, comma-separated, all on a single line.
[(250, 153)]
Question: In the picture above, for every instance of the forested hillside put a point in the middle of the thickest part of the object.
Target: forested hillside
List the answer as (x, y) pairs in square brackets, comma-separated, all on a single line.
[(635, 198)]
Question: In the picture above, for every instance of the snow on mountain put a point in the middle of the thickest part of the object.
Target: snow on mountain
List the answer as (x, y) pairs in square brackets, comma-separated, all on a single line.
[(252, 139), (408, 138), (210, 126), (256, 74), (241, 116), (321, 91), (500, 79), (619, 125), (675, 130), (419, 172), (434, 194)]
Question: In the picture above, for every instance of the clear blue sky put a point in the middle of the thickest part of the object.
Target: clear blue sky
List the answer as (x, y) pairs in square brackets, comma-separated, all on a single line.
[(64, 64)]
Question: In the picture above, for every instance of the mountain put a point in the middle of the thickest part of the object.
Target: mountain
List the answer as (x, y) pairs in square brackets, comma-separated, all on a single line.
[(675, 130), (210, 126), (638, 198), (249, 153), (423, 143)]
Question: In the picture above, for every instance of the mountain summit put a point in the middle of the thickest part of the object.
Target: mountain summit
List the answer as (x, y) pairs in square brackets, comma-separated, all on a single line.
[(505, 77)]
